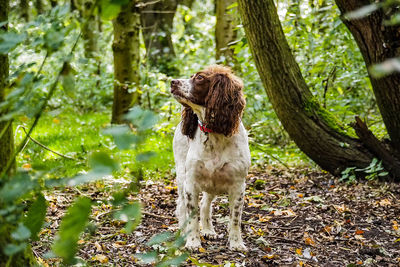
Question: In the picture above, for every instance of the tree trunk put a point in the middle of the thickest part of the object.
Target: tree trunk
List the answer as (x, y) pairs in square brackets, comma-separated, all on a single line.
[(378, 43), (6, 131), (126, 61), (26, 257), (316, 132), (24, 6), (39, 6), (53, 3), (89, 29), (225, 32), (157, 18)]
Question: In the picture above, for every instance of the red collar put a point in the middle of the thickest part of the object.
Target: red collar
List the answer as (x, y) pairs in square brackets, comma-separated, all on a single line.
[(203, 128)]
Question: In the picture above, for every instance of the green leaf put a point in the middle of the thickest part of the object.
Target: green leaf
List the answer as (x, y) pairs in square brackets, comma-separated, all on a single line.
[(149, 257), (111, 8), (101, 162), (35, 216), (10, 40), (73, 223), (21, 233), (174, 261), (123, 136), (11, 249), (17, 187), (130, 213), (159, 238), (145, 156), (143, 119)]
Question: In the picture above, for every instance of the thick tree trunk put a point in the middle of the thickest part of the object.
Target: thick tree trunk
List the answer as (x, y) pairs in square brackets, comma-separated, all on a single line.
[(126, 60), (24, 258), (378, 43), (157, 18), (313, 129), (24, 6), (225, 32)]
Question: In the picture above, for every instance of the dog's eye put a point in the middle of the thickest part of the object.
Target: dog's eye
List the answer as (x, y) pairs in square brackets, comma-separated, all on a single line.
[(199, 77)]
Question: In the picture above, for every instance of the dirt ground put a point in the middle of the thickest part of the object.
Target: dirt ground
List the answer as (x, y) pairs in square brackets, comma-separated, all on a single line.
[(297, 217)]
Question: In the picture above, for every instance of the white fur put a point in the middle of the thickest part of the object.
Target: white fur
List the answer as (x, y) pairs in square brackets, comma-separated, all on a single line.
[(213, 164)]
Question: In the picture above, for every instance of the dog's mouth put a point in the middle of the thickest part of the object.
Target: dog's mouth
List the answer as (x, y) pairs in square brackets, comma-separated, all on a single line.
[(176, 92)]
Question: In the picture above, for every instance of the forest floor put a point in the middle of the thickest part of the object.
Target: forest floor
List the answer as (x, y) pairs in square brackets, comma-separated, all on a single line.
[(297, 217)]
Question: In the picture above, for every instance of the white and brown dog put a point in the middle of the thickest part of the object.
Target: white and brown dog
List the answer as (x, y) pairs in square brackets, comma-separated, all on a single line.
[(214, 159)]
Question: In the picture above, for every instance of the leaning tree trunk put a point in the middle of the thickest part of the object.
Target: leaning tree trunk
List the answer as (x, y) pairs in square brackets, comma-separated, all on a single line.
[(379, 42), (126, 60), (225, 32), (314, 130), (157, 18), (39, 6), (24, 258)]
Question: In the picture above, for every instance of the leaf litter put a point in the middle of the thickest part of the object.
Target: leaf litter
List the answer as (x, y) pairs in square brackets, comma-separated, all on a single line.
[(296, 217)]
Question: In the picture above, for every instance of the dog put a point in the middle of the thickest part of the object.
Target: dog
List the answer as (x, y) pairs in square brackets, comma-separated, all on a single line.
[(211, 152)]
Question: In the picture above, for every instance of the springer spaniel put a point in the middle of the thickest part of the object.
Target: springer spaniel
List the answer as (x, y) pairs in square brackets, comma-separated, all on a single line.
[(213, 159)]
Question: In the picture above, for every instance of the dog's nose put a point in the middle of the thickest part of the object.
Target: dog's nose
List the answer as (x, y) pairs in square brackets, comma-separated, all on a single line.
[(175, 83)]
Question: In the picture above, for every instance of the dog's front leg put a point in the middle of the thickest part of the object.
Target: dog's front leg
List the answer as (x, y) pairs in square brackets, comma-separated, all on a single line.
[(236, 199), (192, 206)]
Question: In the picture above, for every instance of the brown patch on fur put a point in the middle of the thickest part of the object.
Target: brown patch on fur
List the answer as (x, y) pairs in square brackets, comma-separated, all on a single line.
[(221, 92)]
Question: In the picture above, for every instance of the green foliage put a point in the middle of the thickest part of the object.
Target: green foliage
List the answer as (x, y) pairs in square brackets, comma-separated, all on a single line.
[(372, 172), (73, 223), (35, 216), (166, 250)]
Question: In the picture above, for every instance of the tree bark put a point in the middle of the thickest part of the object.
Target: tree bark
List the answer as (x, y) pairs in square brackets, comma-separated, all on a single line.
[(377, 43), (24, 6), (39, 6), (24, 258), (126, 60), (157, 19), (225, 32), (315, 131), (89, 29)]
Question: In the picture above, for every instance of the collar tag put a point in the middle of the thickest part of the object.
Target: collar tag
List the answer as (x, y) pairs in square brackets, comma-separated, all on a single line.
[(203, 128)]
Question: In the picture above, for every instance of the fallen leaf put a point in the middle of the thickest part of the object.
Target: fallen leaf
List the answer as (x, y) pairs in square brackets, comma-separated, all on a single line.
[(395, 225), (81, 241), (55, 120), (300, 195), (100, 258), (359, 232), (27, 166), (328, 228), (202, 250), (98, 246), (385, 202), (270, 257), (299, 251)]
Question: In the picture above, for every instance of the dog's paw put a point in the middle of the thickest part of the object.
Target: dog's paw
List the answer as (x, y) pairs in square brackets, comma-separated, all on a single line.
[(193, 243), (237, 246), (209, 233)]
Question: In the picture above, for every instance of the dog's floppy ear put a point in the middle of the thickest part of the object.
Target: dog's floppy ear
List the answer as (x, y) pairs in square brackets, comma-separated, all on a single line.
[(189, 122), (224, 104)]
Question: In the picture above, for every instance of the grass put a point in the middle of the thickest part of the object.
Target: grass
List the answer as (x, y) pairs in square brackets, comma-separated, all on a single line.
[(78, 135)]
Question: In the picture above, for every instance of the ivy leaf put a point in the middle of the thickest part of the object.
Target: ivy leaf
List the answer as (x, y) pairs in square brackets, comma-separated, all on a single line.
[(159, 238), (21, 233), (111, 8), (10, 40), (11, 249), (73, 223), (130, 213), (35, 217)]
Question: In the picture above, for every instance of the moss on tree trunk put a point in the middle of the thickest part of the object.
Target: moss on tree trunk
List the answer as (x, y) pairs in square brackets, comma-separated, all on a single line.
[(126, 61), (314, 130)]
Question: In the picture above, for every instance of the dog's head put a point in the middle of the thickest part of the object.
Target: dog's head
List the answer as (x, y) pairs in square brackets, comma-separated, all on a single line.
[(215, 92)]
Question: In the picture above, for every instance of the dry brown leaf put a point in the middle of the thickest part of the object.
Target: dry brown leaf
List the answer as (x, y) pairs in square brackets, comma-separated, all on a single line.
[(100, 258)]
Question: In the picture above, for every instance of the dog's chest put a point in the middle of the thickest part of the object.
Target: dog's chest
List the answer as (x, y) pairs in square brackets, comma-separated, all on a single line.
[(217, 167)]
